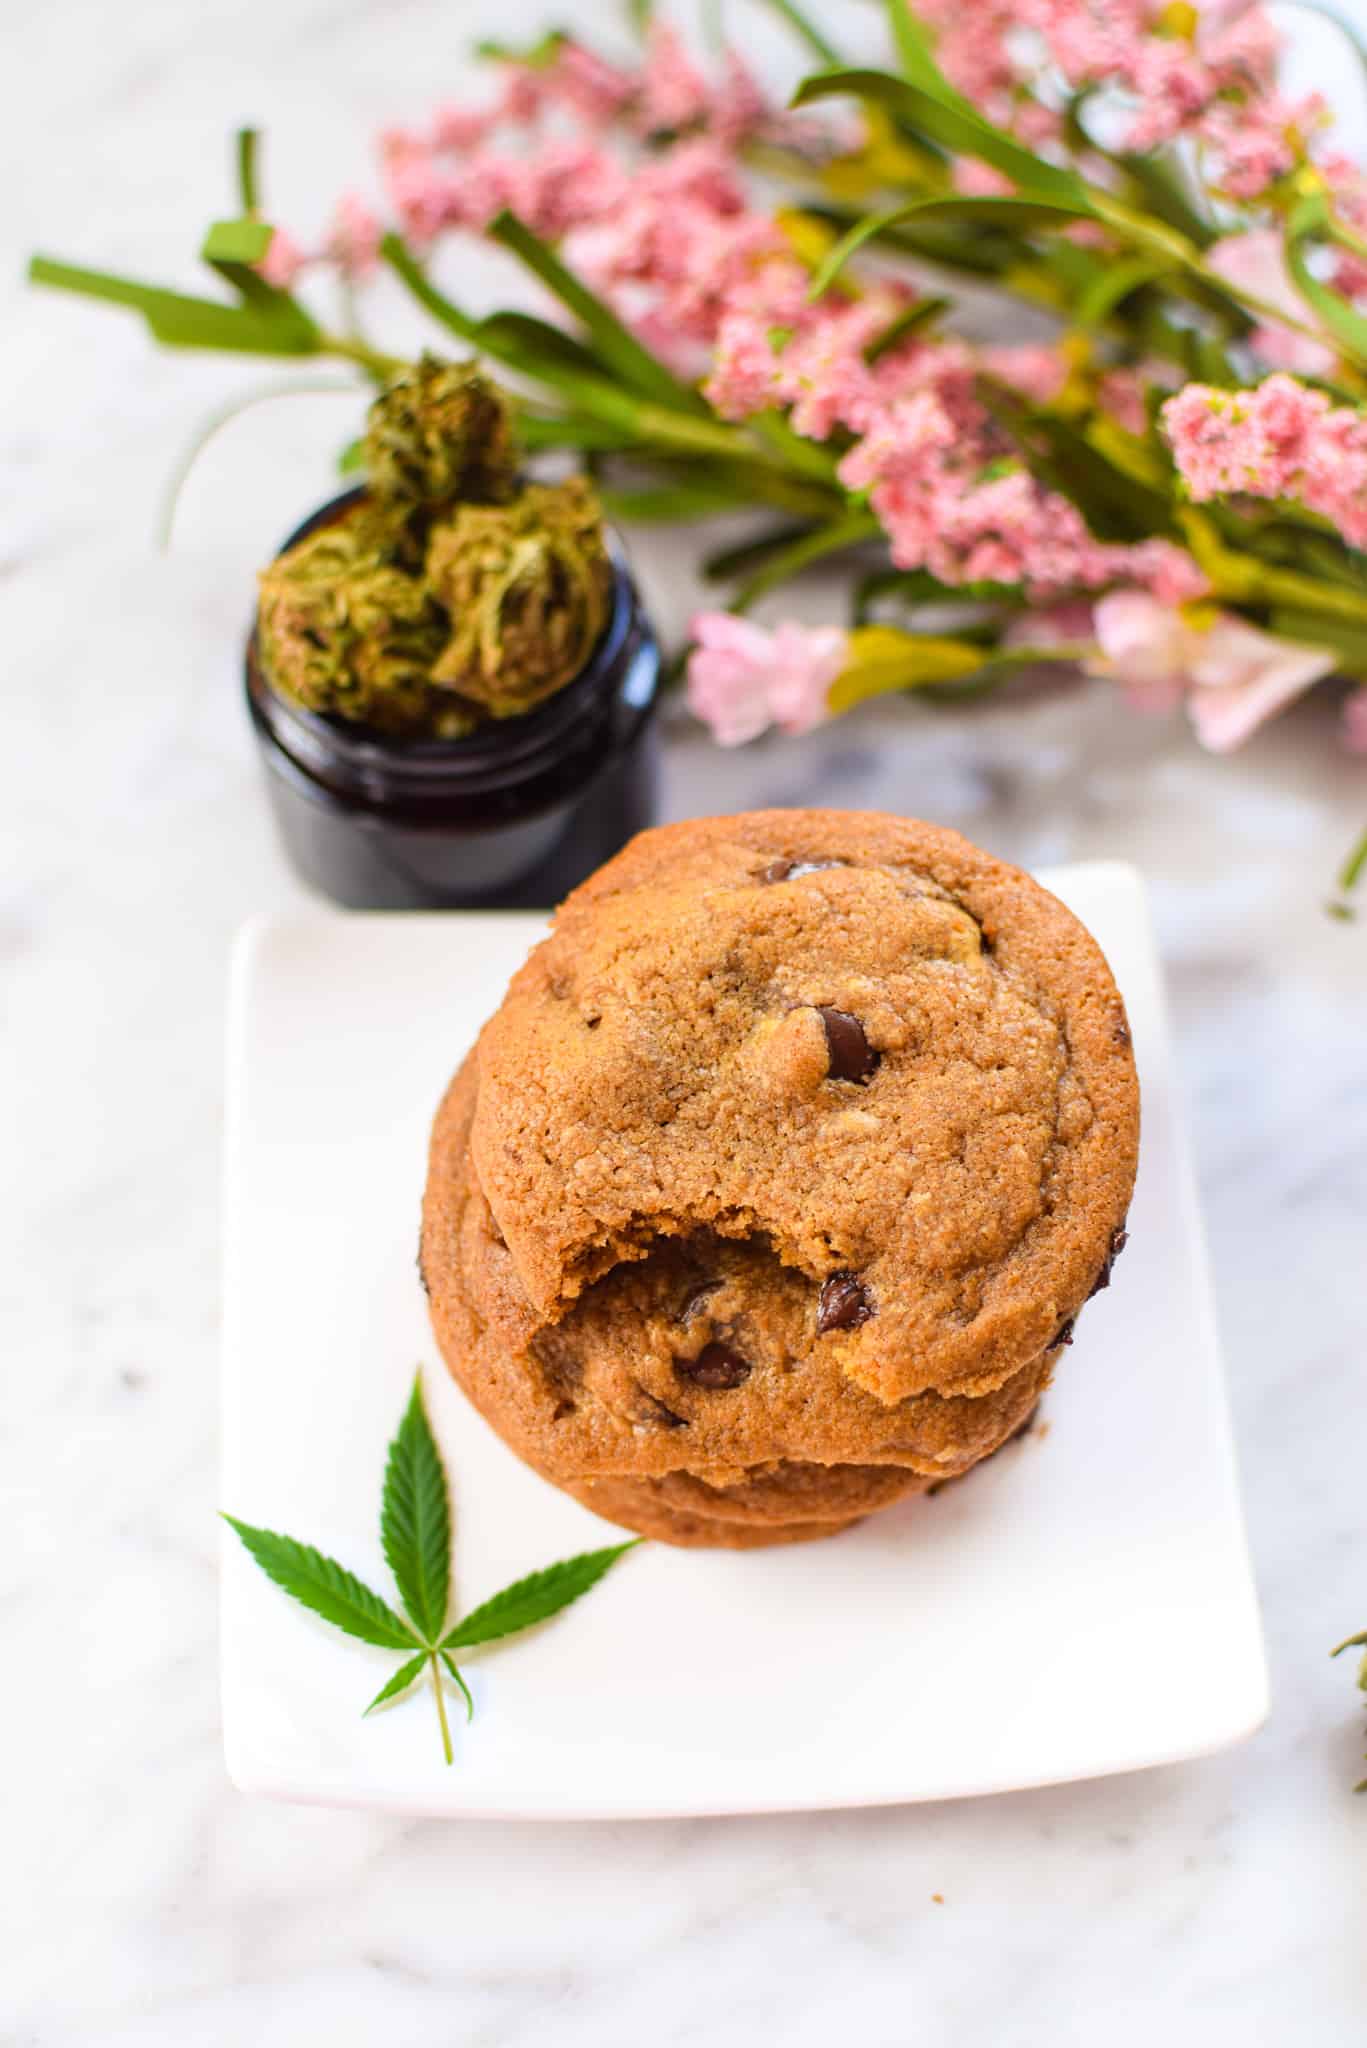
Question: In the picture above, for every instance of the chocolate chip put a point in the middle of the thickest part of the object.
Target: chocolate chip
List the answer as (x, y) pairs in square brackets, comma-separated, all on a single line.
[(1064, 1335), (777, 871), (843, 1304), (716, 1365), (849, 1055), (1121, 1033), (1119, 1239), (592, 1023), (561, 1410)]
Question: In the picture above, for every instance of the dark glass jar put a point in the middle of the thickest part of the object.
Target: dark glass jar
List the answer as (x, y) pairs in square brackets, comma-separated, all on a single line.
[(513, 816)]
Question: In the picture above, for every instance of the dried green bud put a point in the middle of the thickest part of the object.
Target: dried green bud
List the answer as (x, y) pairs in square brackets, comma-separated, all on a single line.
[(528, 587), (438, 433), (342, 630)]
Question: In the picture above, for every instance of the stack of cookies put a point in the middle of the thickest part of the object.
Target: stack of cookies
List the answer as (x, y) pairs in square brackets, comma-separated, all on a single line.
[(773, 1189)]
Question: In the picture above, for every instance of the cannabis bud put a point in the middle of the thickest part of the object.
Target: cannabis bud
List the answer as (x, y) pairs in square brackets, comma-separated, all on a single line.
[(342, 630), (528, 588), (437, 435), (446, 594)]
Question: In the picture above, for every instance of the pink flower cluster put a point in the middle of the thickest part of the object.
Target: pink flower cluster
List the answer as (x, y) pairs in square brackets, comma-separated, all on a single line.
[(1018, 60), (1278, 440), (941, 476)]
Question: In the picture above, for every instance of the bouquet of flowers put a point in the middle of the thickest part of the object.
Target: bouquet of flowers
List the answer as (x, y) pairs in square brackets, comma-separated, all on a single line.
[(761, 307)]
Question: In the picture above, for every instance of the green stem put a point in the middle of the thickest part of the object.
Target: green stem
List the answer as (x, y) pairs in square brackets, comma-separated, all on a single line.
[(441, 1709), (800, 554), (352, 349), (1351, 873)]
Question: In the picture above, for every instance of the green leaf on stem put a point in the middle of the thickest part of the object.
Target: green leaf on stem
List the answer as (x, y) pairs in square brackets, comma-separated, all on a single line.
[(179, 320), (786, 562), (1018, 215), (328, 1588), (932, 105), (454, 1672), (1309, 223), (351, 460), (415, 1521), (615, 344), (535, 1598), (406, 1675)]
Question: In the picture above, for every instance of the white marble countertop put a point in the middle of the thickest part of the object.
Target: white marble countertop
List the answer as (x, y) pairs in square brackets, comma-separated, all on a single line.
[(143, 1900)]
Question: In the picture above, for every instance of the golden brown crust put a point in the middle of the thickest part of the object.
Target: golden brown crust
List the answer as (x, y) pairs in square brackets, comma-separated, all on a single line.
[(774, 1186)]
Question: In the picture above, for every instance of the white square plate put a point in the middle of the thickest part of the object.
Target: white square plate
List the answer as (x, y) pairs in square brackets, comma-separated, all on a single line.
[(1082, 1604)]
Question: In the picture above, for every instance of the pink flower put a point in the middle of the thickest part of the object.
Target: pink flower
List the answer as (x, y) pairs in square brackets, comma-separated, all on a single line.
[(353, 241), (1143, 645), (742, 679), (1232, 676), (283, 260), (674, 93), (1279, 440), (598, 92), (1255, 262)]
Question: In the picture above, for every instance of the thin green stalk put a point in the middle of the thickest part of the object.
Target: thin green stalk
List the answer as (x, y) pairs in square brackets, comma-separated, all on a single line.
[(441, 1710), (375, 362)]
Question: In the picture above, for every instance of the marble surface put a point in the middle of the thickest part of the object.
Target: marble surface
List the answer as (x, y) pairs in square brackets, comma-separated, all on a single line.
[(142, 1901)]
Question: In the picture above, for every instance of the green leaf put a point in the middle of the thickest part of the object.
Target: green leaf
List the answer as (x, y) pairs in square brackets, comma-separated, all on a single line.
[(328, 1588), (540, 348), (234, 248), (911, 320), (248, 181), (932, 105), (615, 344), (1349, 1643), (180, 321), (1309, 222), (913, 48), (455, 1674), (1114, 283), (415, 1521), (244, 240), (789, 561), (1116, 506), (351, 460), (537, 56), (881, 658), (1312, 629), (534, 1598), (1019, 215), (400, 1682)]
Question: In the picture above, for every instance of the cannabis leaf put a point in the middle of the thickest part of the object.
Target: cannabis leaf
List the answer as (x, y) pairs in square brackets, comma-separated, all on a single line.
[(415, 1533), (1351, 1643)]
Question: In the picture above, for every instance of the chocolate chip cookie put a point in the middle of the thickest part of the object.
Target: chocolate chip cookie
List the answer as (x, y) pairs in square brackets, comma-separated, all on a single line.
[(775, 1185)]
